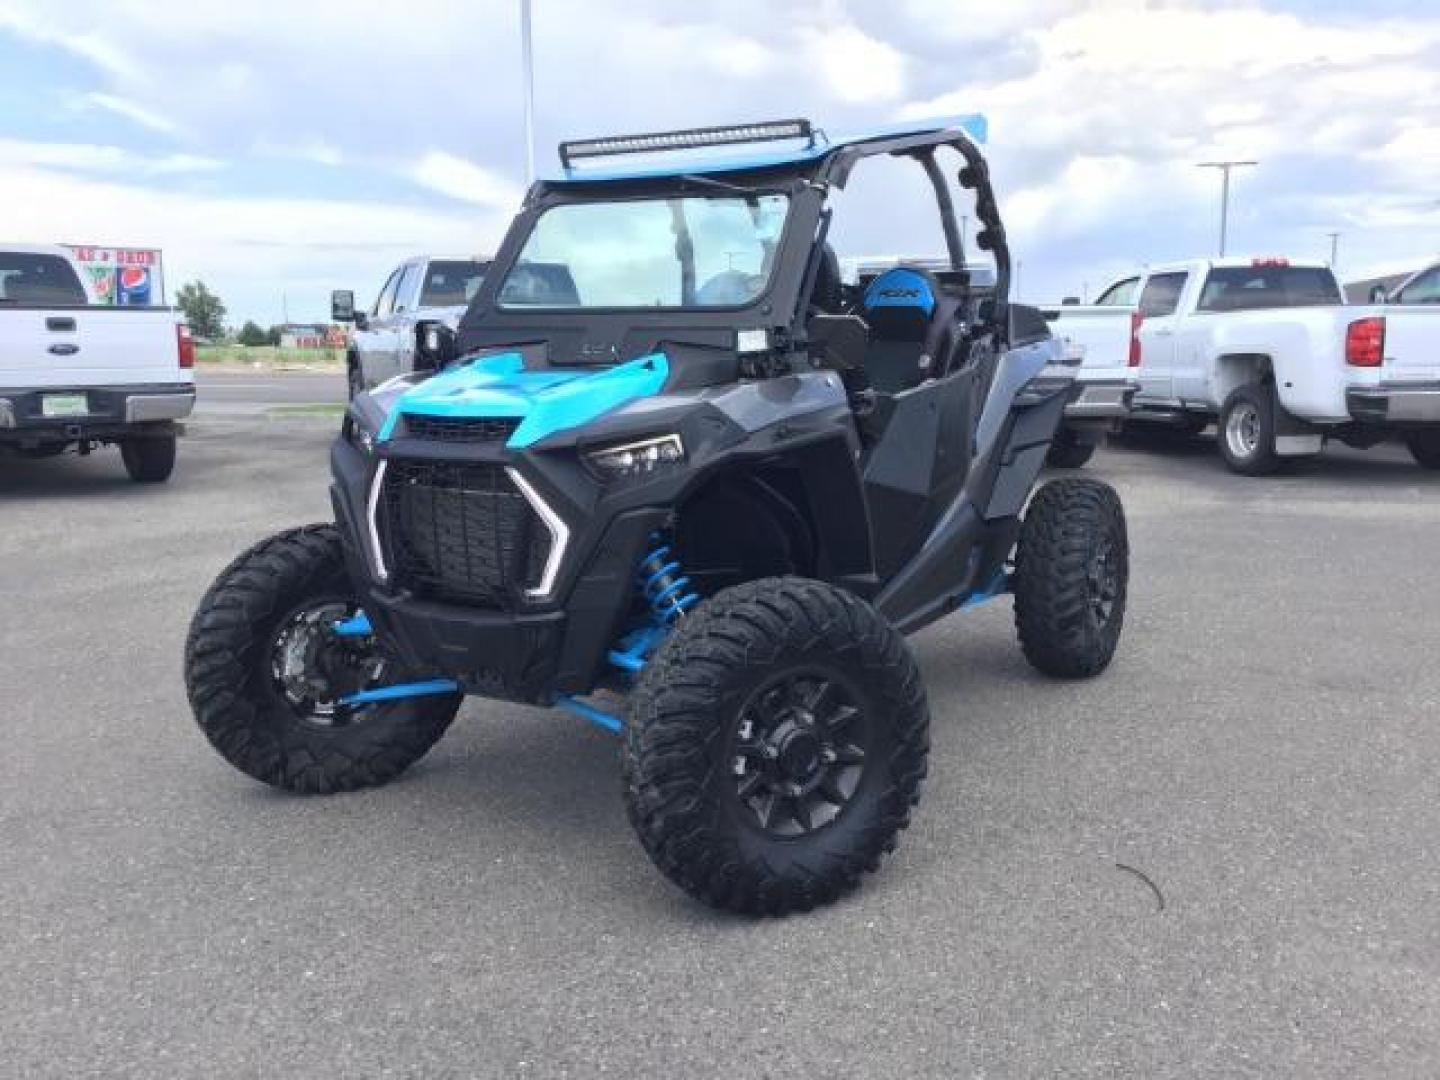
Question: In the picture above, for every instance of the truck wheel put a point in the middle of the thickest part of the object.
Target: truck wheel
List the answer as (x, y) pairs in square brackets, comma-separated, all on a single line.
[(264, 673), (1247, 431), (775, 746), (1425, 448), (1072, 570), (1067, 451), (149, 460)]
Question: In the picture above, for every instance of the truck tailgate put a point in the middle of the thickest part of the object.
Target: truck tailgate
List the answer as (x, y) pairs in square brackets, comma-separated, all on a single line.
[(89, 346), (1412, 343)]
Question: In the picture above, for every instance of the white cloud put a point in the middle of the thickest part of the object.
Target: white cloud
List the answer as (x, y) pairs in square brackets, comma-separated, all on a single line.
[(856, 68), (131, 110), (98, 158), (461, 179)]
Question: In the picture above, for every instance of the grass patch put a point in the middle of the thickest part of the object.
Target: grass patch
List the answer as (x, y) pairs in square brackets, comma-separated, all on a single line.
[(269, 356)]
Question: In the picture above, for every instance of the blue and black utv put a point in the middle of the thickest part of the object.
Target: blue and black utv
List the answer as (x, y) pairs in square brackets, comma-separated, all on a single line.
[(671, 473)]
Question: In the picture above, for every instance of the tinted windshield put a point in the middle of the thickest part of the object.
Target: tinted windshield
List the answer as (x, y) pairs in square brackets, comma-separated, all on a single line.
[(1121, 294), (645, 253), (38, 279), (451, 282), (1246, 288)]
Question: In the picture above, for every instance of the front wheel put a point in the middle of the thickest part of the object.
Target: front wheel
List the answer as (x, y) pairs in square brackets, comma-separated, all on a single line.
[(1072, 576), (1247, 431), (267, 675), (149, 459), (1425, 448), (774, 746)]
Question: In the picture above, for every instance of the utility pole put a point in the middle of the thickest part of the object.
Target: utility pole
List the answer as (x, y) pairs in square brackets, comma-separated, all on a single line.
[(527, 65), (1224, 167), (1334, 248)]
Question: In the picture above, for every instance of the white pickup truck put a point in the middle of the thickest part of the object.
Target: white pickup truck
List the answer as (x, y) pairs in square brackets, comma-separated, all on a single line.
[(428, 288), (1268, 350), (77, 374)]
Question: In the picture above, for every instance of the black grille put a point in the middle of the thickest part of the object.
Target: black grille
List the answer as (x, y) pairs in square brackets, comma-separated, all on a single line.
[(461, 533), (462, 429)]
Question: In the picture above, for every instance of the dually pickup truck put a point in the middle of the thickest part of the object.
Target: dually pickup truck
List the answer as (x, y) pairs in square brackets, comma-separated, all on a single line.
[(425, 289), (1267, 349), (78, 374)]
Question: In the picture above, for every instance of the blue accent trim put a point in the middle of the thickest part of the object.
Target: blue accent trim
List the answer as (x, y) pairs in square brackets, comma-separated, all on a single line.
[(901, 287), (633, 652), (598, 717), (975, 126), (401, 691), (358, 625), (999, 586), (546, 401)]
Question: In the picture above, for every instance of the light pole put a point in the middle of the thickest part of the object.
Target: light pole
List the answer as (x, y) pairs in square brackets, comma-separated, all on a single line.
[(1224, 167), (527, 65), (1334, 248)]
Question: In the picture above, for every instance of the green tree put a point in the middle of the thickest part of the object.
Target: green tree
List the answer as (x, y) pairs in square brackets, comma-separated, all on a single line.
[(253, 333), (204, 311), (272, 336)]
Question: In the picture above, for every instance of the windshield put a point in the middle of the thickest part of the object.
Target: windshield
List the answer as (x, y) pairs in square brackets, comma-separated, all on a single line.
[(691, 252)]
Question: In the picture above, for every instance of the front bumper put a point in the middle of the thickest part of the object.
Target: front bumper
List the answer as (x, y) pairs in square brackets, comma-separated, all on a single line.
[(1395, 403), (1103, 399), (111, 412)]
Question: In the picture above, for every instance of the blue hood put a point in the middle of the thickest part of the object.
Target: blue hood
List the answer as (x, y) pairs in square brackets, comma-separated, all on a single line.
[(545, 401)]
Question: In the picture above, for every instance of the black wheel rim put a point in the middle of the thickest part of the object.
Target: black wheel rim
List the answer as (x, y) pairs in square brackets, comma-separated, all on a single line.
[(1103, 581), (799, 751), (312, 668)]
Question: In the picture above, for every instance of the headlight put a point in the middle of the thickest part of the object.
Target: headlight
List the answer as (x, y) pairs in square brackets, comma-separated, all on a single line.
[(637, 458)]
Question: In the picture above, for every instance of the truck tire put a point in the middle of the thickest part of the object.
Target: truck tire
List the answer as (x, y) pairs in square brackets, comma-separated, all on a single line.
[(774, 746), (1067, 451), (1072, 571), (1425, 448), (1246, 431), (149, 459), (267, 613)]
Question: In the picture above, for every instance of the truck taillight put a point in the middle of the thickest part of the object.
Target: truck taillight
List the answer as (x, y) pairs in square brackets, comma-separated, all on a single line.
[(1365, 342), (185, 344), (1136, 319)]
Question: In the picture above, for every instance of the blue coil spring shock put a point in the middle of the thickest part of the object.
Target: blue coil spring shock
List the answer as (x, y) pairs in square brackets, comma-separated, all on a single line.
[(664, 585)]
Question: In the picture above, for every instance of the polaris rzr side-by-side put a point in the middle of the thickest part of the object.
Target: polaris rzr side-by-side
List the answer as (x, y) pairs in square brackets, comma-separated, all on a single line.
[(673, 475)]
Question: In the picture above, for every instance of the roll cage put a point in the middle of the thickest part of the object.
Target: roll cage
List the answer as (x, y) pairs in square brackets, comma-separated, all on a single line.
[(806, 173)]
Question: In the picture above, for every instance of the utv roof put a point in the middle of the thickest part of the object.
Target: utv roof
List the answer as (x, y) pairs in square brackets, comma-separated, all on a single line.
[(693, 151)]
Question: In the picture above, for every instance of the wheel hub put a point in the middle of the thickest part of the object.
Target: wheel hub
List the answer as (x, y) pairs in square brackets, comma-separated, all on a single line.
[(1103, 581), (312, 668), (1242, 430), (799, 754)]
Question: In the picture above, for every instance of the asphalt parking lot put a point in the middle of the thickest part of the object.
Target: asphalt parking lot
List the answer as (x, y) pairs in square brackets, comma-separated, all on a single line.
[(1265, 750)]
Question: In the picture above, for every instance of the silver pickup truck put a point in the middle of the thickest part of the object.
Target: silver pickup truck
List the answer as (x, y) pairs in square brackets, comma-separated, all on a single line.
[(427, 288)]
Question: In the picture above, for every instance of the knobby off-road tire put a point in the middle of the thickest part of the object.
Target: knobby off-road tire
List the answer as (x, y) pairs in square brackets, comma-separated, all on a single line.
[(735, 681), (234, 692), (1425, 448), (149, 460), (1068, 452), (1072, 569), (1245, 431)]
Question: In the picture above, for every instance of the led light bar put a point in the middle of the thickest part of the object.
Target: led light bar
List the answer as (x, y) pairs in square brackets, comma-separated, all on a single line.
[(690, 139)]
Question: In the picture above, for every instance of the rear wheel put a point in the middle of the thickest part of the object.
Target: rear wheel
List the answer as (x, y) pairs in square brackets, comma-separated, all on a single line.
[(1247, 431), (1072, 572), (1067, 451), (1425, 448), (266, 674), (149, 459), (774, 746)]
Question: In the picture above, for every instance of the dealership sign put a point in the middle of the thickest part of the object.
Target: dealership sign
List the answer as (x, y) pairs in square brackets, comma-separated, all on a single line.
[(124, 276)]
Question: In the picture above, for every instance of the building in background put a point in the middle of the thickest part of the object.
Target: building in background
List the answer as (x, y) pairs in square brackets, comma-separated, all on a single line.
[(304, 336)]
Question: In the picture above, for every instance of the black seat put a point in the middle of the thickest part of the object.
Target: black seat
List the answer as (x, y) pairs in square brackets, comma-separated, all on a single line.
[(912, 328)]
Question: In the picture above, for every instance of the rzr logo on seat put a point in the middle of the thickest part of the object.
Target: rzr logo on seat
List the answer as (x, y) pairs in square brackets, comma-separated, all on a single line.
[(901, 294)]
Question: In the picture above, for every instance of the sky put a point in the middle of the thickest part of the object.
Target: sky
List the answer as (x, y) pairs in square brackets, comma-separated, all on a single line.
[(278, 150)]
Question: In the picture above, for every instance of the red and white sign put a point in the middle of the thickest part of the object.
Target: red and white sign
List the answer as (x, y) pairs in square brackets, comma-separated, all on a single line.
[(123, 276)]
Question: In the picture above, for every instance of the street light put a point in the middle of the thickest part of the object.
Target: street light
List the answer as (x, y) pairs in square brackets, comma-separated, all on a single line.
[(527, 64), (1334, 248), (1224, 167)]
